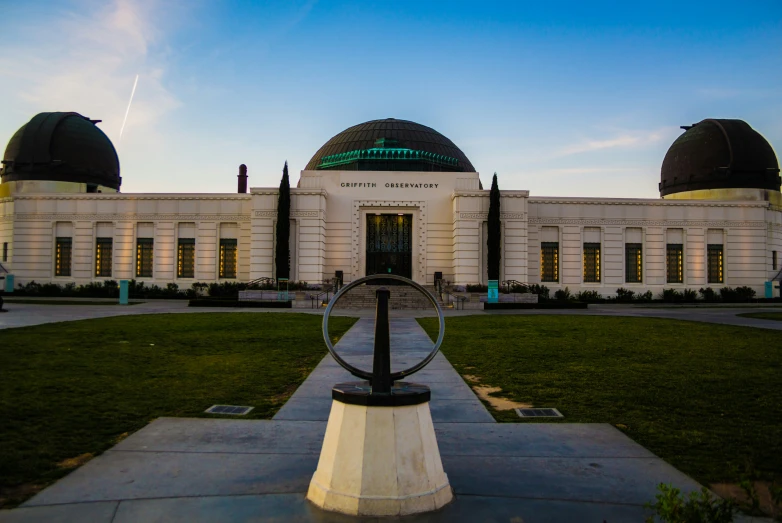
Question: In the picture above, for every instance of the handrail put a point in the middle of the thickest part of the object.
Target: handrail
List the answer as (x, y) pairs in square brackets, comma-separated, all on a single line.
[(514, 283), (3, 269), (314, 297), (261, 280), (458, 299), (778, 276)]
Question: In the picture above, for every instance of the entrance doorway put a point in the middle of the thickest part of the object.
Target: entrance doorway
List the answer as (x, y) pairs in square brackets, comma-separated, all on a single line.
[(390, 244)]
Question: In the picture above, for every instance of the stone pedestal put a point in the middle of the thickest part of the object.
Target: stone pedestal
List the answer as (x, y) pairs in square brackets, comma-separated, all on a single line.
[(380, 461)]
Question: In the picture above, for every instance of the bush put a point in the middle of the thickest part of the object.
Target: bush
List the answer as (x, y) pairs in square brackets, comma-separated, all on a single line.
[(541, 290), (589, 296), (690, 295), (644, 298), (671, 296), (737, 295), (563, 294), (672, 507), (477, 288), (709, 295), (624, 295)]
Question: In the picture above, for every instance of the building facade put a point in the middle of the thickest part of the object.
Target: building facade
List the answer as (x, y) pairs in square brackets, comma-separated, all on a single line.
[(391, 196)]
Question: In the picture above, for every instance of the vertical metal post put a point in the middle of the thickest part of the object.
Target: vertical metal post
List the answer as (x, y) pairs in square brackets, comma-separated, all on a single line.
[(381, 368)]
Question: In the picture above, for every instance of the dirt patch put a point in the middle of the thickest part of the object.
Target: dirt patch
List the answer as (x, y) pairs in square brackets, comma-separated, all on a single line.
[(736, 493), (484, 391), (12, 496), (120, 437), (474, 379), (78, 461)]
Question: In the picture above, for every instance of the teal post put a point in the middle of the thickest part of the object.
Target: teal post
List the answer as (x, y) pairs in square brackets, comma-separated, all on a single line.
[(123, 292), (494, 291), (9, 283), (769, 289)]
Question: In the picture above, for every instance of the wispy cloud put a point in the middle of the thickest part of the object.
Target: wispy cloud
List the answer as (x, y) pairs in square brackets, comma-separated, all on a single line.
[(622, 140), (85, 60)]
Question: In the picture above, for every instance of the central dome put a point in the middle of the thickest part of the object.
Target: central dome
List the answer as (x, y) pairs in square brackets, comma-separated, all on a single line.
[(390, 145)]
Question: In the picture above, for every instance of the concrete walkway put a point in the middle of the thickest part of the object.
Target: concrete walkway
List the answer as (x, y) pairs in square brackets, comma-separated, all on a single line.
[(196, 470), (27, 315)]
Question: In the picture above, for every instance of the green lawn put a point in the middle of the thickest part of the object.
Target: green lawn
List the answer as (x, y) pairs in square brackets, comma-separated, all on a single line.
[(764, 315), (707, 398), (76, 388)]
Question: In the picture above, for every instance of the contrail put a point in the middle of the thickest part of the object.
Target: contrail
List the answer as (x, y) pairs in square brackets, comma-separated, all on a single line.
[(128, 110)]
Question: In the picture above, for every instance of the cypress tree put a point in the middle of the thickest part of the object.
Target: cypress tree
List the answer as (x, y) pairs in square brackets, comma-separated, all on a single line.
[(282, 256), (493, 241)]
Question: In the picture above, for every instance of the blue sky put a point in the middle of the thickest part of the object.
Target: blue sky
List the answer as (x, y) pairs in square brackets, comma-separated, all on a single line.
[(561, 98)]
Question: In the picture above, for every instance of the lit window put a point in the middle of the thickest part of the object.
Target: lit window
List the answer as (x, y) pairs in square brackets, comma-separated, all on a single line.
[(185, 266), (549, 261), (633, 263), (62, 257), (675, 263), (714, 260), (591, 262), (227, 258), (103, 252), (144, 257)]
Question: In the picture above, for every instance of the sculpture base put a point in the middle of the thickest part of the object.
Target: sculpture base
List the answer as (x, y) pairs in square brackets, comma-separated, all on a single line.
[(379, 461)]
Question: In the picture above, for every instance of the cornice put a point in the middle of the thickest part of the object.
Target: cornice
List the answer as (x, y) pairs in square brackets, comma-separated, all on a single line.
[(646, 202), (116, 217), (647, 223), (130, 197), (294, 214), (272, 191), (485, 215), (485, 194)]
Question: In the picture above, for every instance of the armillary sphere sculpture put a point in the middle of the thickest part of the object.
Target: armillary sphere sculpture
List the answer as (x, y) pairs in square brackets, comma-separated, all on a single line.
[(379, 390), (380, 455)]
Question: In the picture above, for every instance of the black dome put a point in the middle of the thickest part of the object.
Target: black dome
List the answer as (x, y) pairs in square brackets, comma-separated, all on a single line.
[(390, 145), (719, 154), (63, 147)]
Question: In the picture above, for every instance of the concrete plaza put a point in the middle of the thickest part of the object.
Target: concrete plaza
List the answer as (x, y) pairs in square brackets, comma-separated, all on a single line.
[(193, 470)]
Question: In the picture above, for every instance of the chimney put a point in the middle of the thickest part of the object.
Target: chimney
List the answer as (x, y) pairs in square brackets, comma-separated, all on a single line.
[(242, 179)]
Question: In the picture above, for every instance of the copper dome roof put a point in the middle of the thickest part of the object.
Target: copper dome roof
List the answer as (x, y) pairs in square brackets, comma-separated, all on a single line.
[(390, 145), (61, 146), (719, 154)]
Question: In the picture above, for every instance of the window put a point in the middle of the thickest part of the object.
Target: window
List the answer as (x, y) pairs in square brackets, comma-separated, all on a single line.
[(5, 254), (675, 263), (591, 262), (62, 257), (185, 265), (633, 263), (549, 261), (144, 253), (714, 260), (103, 248), (227, 258), (773, 258)]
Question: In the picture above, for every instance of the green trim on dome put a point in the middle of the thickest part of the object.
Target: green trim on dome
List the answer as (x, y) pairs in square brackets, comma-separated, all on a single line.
[(396, 154)]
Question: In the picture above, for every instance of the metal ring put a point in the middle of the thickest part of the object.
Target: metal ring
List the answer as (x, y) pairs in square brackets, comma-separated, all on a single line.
[(396, 375)]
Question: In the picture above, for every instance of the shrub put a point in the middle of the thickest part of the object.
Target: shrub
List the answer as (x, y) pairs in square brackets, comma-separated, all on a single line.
[(562, 294), (477, 288), (709, 295), (672, 507), (624, 295), (690, 295), (541, 290), (644, 298), (671, 296), (737, 295), (589, 296)]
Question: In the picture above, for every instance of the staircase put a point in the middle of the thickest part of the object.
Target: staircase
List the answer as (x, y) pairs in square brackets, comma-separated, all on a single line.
[(402, 297)]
